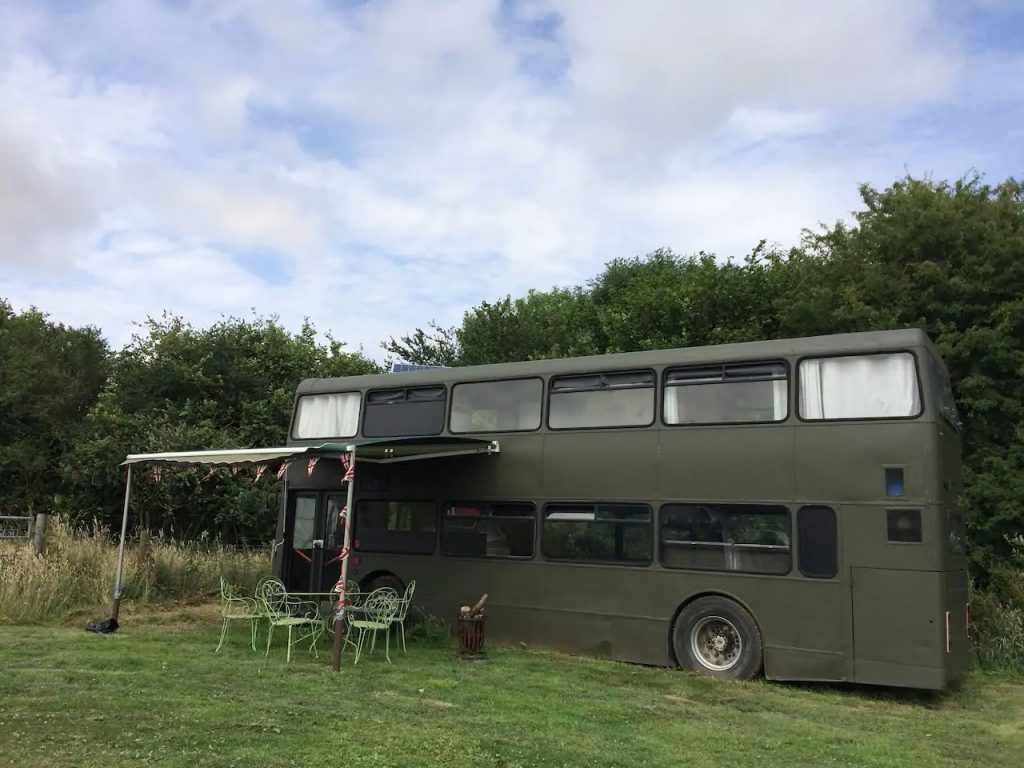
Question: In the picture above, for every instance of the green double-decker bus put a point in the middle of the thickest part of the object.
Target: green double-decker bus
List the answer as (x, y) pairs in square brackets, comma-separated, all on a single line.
[(788, 507)]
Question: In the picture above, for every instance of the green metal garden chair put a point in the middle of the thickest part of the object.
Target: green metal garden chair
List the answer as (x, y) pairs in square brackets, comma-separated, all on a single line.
[(235, 607), (282, 610), (378, 613), (403, 609)]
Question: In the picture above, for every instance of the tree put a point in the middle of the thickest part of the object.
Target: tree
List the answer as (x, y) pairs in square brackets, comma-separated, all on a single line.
[(438, 346), (947, 258), (50, 375), (175, 387)]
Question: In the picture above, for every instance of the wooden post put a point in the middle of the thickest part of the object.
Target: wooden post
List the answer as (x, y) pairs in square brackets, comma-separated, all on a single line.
[(39, 535), (341, 620)]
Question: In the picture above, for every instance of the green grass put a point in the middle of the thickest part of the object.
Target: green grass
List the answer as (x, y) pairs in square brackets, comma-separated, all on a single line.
[(155, 693)]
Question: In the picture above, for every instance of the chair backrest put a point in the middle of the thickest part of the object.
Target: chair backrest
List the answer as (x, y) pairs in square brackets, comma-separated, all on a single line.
[(272, 595), (352, 593), (226, 592), (410, 589), (382, 605)]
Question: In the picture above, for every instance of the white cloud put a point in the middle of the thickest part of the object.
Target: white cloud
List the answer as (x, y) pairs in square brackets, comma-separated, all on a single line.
[(399, 161)]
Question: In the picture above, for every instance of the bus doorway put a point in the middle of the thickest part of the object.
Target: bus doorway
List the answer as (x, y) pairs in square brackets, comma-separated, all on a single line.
[(314, 538)]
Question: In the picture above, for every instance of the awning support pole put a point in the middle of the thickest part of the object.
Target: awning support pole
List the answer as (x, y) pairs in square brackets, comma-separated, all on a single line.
[(340, 620), (115, 609)]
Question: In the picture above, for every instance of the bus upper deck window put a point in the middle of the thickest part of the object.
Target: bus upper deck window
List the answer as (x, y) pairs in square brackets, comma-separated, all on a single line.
[(619, 399), (876, 386), (733, 393), (330, 415), (403, 412)]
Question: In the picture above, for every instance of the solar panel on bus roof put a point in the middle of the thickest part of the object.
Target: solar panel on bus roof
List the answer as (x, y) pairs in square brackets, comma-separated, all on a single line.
[(408, 367)]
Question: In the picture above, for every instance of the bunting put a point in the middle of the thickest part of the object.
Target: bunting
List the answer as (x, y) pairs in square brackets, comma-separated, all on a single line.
[(282, 469), (350, 470), (260, 469), (310, 465), (156, 473)]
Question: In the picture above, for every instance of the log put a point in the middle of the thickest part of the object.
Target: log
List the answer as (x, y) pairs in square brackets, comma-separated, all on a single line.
[(478, 609)]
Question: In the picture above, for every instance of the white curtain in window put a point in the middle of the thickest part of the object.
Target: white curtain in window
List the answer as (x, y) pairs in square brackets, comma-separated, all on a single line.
[(334, 415), (672, 405), (779, 404), (859, 387)]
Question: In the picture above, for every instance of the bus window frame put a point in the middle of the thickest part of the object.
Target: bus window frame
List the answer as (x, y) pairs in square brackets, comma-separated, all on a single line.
[(359, 421), (923, 403), (835, 507), (791, 404), (564, 375), (534, 539), (652, 522), (405, 389), (451, 406), (418, 499), (790, 549)]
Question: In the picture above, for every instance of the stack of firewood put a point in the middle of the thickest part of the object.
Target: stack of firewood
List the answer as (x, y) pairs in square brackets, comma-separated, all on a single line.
[(477, 611)]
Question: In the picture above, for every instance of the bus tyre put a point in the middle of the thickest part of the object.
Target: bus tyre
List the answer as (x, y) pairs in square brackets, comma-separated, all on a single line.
[(717, 637)]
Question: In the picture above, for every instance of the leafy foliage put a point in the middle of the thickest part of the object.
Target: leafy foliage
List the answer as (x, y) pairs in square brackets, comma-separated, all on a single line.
[(176, 387), (50, 375)]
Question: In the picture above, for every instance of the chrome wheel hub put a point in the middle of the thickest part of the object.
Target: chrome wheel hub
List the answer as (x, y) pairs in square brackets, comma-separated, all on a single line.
[(716, 643)]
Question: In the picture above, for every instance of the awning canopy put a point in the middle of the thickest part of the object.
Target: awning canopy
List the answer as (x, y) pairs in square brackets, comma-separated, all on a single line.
[(380, 450)]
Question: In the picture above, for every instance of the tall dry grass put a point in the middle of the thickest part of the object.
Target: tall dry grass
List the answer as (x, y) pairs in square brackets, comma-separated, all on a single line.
[(998, 618), (75, 575)]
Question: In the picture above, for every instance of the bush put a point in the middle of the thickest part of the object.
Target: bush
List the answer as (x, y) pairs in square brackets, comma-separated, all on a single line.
[(76, 573), (998, 617)]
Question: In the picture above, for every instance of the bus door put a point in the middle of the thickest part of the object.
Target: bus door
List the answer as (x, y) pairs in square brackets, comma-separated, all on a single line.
[(329, 565), (314, 538)]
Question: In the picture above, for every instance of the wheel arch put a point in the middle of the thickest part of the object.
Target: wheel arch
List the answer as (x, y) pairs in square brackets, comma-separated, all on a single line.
[(372, 576), (693, 598)]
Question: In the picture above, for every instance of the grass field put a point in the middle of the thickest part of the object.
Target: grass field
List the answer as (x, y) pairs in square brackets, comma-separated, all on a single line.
[(155, 693)]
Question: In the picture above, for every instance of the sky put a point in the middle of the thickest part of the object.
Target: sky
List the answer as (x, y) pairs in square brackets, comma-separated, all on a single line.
[(374, 166)]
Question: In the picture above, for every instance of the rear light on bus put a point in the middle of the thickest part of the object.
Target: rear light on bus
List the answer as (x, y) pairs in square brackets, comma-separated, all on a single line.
[(949, 635)]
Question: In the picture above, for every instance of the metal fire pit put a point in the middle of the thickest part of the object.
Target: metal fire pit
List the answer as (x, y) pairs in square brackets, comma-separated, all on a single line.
[(469, 632)]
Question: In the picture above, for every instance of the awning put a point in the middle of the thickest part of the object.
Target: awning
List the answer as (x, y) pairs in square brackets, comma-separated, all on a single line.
[(380, 450)]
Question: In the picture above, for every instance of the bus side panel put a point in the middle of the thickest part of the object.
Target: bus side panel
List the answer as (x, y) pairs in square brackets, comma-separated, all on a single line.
[(738, 463), (899, 627), (601, 465), (513, 474), (846, 462), (960, 650)]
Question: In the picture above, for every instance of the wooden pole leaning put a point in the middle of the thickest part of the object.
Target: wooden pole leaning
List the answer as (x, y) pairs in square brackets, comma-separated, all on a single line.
[(340, 619)]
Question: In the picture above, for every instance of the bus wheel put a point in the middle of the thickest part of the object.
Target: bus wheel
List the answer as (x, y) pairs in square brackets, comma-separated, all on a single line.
[(715, 636)]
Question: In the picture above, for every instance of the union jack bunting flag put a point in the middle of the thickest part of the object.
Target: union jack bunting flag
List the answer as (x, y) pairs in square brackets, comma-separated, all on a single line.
[(350, 470), (260, 469), (211, 473), (282, 469), (156, 474), (235, 469), (310, 465)]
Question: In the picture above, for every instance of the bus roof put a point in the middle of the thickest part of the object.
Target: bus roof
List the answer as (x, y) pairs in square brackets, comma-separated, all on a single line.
[(843, 343)]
